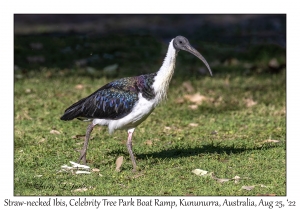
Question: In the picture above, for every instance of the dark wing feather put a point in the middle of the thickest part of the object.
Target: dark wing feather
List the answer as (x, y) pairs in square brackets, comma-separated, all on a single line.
[(113, 101)]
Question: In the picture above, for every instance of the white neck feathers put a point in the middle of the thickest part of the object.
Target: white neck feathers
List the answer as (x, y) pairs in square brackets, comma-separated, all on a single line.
[(165, 74)]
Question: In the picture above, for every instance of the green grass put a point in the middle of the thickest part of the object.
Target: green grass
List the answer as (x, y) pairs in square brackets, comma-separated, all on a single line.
[(166, 165), (227, 137)]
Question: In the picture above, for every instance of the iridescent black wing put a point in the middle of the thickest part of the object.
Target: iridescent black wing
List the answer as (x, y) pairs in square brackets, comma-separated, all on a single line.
[(112, 101)]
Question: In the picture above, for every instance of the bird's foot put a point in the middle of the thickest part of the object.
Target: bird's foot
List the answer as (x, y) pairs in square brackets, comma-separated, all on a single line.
[(135, 169), (82, 157)]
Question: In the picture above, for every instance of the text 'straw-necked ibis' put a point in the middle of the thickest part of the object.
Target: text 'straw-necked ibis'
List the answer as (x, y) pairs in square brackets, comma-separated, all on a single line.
[(125, 103)]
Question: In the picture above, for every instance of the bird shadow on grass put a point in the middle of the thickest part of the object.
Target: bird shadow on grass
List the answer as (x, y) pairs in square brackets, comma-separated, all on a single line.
[(192, 151)]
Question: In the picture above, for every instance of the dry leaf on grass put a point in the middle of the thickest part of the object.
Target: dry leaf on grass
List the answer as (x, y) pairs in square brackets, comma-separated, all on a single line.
[(79, 87), (196, 98), (249, 102), (236, 179), (119, 163), (80, 189), (199, 172), (188, 86), (248, 187), (54, 132), (95, 170), (252, 187), (83, 189), (193, 124), (223, 180), (270, 141), (218, 179), (26, 116)]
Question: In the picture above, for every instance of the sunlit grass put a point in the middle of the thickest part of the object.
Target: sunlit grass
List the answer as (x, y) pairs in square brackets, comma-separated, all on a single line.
[(226, 137)]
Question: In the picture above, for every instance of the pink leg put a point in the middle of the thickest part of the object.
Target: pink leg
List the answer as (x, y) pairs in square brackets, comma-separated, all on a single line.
[(129, 147), (85, 145)]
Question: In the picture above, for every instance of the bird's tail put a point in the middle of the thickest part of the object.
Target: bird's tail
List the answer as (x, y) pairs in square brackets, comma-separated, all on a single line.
[(74, 111)]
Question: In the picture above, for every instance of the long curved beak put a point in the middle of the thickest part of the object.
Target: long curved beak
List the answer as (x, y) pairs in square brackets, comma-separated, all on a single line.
[(192, 50)]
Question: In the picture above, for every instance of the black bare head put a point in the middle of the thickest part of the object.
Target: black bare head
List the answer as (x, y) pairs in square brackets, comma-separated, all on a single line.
[(182, 43)]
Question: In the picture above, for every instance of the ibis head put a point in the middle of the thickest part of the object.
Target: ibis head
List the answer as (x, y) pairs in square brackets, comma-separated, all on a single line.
[(182, 43)]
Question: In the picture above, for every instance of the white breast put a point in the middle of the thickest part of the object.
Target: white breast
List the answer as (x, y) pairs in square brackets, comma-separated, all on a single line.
[(139, 113)]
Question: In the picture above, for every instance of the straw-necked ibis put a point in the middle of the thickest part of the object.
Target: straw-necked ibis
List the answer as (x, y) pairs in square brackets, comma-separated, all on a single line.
[(125, 103)]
